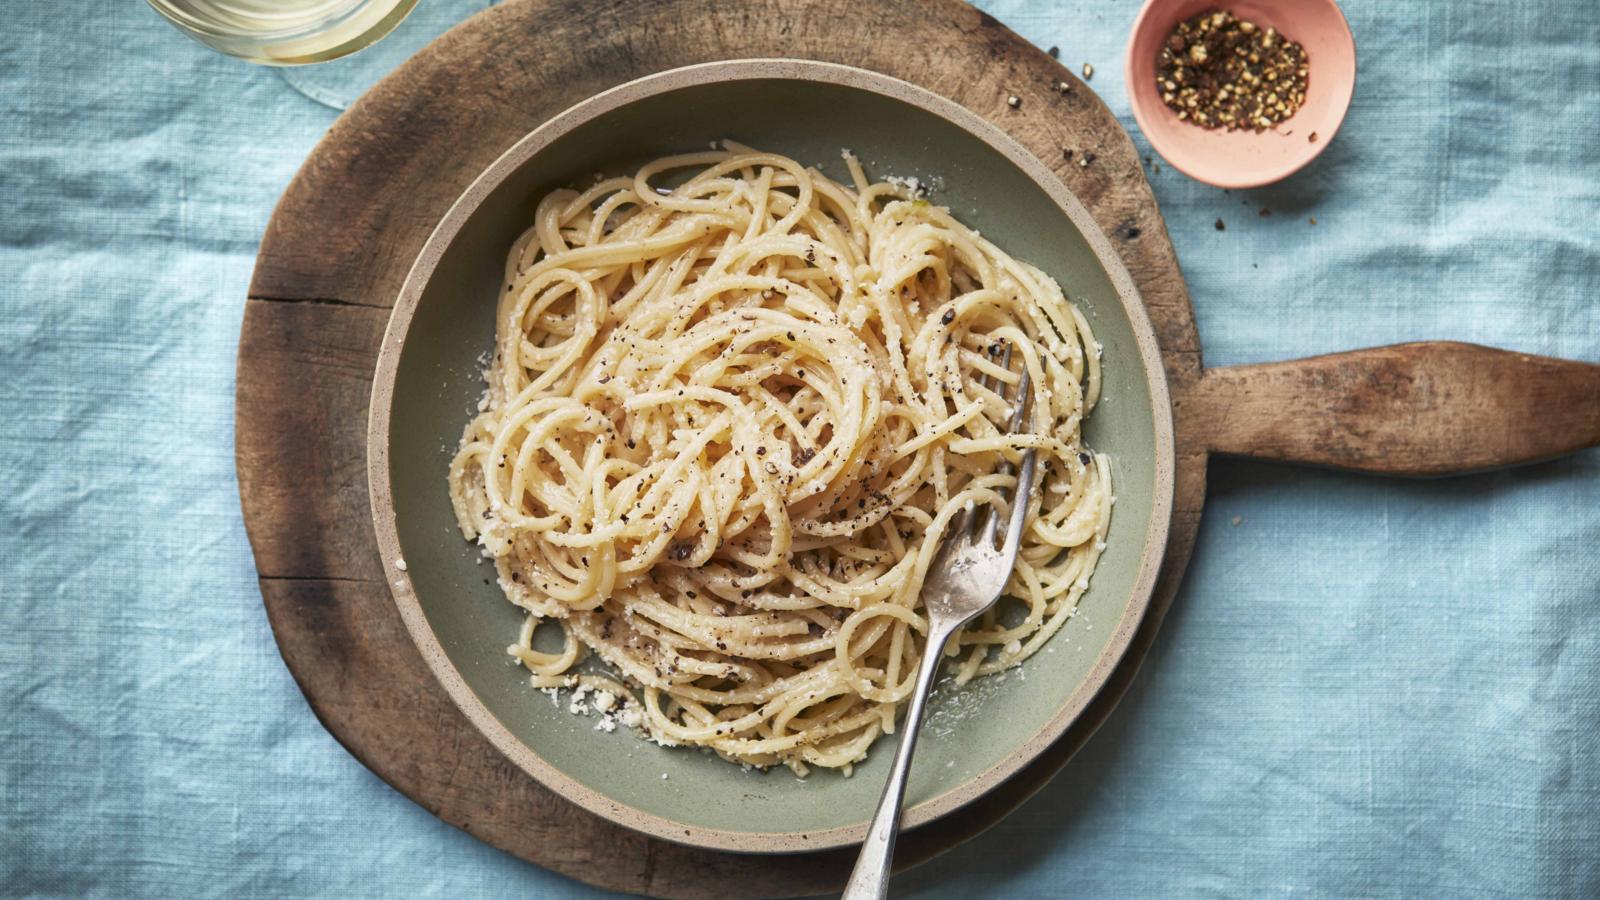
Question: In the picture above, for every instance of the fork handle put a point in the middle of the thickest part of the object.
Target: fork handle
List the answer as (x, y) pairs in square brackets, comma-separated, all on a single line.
[(869, 880)]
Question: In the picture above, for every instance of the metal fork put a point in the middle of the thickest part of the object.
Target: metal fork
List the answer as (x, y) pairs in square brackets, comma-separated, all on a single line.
[(966, 579)]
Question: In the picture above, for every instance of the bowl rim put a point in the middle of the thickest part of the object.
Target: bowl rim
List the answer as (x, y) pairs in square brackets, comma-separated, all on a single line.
[(382, 498), (1146, 20)]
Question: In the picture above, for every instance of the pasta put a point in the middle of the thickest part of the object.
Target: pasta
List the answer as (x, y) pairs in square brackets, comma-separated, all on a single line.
[(731, 407)]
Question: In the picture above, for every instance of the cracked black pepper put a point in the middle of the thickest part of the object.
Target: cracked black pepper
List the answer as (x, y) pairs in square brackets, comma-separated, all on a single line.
[(1217, 71)]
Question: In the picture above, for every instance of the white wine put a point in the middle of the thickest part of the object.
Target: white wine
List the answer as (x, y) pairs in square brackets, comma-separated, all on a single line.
[(285, 32)]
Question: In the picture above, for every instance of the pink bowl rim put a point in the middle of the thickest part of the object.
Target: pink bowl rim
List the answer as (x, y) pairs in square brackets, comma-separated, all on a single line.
[(1264, 177)]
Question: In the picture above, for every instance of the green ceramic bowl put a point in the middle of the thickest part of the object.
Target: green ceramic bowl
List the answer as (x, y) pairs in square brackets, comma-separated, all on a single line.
[(428, 383)]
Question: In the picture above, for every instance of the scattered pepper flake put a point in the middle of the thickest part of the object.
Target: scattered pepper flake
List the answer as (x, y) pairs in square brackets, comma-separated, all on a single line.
[(1055, 52), (1220, 226), (1265, 212)]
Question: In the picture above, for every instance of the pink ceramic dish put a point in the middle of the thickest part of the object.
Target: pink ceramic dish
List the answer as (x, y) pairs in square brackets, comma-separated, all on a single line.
[(1242, 159)]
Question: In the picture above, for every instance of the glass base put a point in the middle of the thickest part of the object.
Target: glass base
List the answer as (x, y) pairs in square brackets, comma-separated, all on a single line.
[(338, 83), (290, 36)]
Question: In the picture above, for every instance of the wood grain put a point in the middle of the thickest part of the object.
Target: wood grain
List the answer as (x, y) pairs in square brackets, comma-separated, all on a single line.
[(332, 260), (347, 228), (390, 167), (1422, 409), (305, 370), (356, 215)]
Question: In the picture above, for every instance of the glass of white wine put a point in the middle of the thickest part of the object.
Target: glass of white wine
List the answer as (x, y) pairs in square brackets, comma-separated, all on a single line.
[(285, 32)]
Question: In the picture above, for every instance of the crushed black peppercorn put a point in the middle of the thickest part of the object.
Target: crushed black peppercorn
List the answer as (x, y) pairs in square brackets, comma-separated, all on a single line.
[(1217, 71)]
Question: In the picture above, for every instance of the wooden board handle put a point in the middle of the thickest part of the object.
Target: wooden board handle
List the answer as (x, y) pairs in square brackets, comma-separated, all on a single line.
[(1423, 409)]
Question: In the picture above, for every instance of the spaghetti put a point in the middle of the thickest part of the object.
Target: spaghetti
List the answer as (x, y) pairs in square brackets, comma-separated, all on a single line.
[(726, 424)]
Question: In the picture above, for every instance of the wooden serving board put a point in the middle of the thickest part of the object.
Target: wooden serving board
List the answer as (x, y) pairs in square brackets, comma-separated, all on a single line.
[(348, 227)]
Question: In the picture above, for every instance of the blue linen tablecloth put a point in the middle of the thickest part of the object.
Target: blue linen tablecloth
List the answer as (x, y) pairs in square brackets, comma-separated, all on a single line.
[(1367, 687)]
